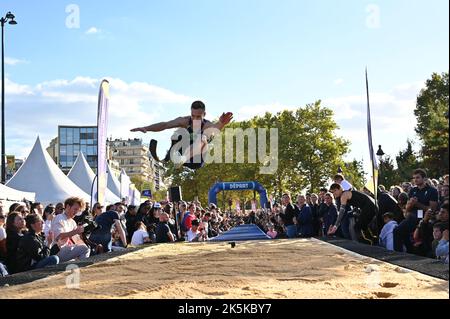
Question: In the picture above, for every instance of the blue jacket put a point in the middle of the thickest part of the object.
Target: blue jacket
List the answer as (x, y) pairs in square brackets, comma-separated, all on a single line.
[(442, 250), (305, 221), (387, 235), (329, 218)]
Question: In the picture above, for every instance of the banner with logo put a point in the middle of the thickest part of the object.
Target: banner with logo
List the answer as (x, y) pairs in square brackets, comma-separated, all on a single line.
[(102, 131)]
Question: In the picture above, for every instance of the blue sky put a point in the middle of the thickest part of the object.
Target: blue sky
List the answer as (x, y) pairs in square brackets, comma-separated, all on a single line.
[(244, 56)]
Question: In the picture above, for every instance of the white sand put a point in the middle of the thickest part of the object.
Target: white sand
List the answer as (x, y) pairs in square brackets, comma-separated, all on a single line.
[(268, 269)]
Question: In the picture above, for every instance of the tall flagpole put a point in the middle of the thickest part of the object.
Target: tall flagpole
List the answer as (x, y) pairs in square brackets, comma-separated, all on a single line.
[(373, 159)]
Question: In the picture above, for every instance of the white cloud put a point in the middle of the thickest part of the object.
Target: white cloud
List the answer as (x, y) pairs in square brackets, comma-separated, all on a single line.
[(93, 30), (14, 61), (38, 110), (393, 119), (338, 81)]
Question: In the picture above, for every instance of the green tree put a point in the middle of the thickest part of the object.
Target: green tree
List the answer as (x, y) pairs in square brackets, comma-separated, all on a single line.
[(309, 153), (432, 124), (387, 173), (407, 161), (354, 173)]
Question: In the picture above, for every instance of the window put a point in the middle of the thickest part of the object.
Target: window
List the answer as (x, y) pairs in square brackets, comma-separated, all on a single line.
[(62, 136), (63, 150), (90, 150), (76, 150), (83, 130), (69, 150), (76, 136)]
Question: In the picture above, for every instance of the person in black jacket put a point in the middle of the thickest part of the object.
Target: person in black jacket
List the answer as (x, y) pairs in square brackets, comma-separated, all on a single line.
[(32, 252), (15, 227)]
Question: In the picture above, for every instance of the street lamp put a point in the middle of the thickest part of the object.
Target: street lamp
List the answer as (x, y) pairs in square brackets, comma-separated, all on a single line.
[(9, 18), (380, 153)]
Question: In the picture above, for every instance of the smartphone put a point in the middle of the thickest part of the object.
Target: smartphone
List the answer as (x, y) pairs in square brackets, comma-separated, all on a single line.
[(420, 214)]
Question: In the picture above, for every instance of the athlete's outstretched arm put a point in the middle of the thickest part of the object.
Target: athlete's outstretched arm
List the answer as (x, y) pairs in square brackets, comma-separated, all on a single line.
[(224, 120), (158, 127)]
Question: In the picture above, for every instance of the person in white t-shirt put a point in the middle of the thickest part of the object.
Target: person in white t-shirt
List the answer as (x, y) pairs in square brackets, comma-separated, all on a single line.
[(140, 236), (340, 179), (196, 233), (66, 233)]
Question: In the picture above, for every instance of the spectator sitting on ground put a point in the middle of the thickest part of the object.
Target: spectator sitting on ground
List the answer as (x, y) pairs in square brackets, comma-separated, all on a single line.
[(438, 230), (272, 233), (49, 215), (442, 248), (32, 252), (387, 233), (197, 233), (66, 233), (140, 235), (15, 228), (163, 233)]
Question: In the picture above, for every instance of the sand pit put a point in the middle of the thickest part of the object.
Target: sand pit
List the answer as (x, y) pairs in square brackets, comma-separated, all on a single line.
[(268, 269)]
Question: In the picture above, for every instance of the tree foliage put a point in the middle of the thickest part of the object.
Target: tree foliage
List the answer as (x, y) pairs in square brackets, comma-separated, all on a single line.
[(309, 153), (432, 124)]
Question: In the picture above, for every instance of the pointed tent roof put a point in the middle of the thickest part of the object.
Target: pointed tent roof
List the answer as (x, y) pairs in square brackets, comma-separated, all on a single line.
[(41, 175), (10, 194), (83, 176), (113, 182)]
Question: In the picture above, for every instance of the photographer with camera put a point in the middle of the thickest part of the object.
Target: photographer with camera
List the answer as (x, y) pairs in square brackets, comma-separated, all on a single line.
[(102, 235), (66, 233)]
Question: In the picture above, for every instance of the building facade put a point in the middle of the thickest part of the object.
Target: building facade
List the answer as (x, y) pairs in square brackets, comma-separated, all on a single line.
[(75, 139), (134, 157)]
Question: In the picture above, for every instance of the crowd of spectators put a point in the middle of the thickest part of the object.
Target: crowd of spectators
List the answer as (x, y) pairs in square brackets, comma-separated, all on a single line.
[(412, 217)]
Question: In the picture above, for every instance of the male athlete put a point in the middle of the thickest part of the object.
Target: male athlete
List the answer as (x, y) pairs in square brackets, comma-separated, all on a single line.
[(359, 200), (196, 125)]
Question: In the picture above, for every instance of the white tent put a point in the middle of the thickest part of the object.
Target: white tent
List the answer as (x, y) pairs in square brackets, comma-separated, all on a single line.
[(113, 182), (83, 176), (125, 184), (11, 195), (41, 175), (136, 197)]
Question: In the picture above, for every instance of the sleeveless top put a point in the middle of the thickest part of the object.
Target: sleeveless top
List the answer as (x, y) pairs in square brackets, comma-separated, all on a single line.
[(361, 200)]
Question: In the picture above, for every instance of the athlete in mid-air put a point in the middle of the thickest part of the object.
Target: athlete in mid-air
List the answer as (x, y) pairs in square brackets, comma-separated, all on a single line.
[(366, 205), (196, 125)]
